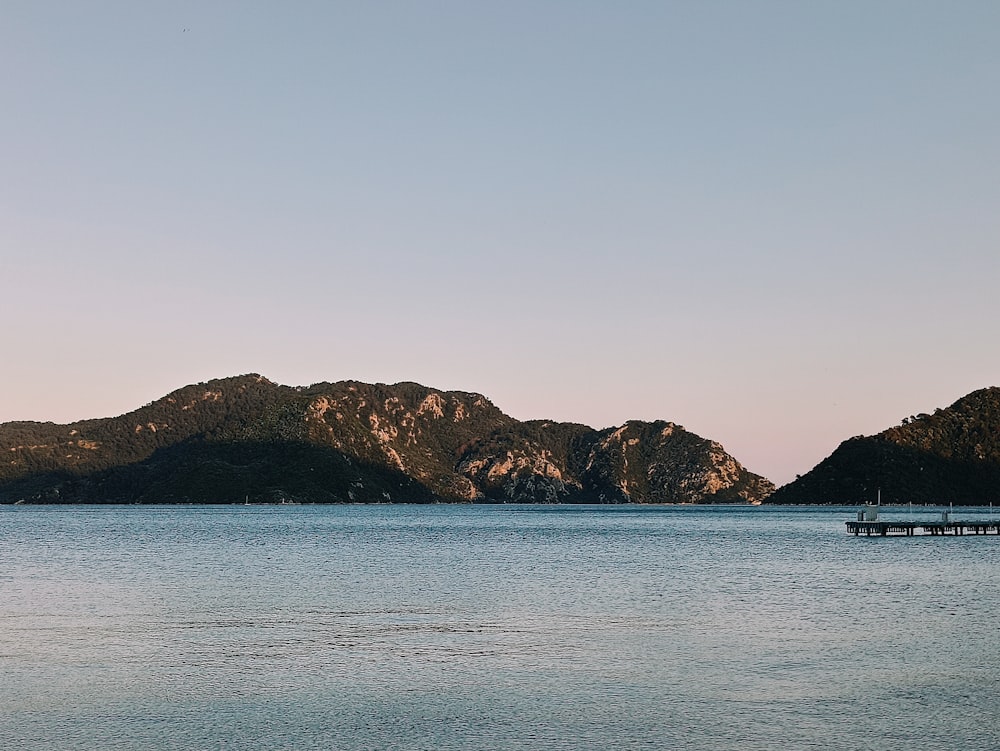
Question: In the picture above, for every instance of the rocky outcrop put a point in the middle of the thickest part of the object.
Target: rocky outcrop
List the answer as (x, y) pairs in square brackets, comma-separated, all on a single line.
[(247, 438), (640, 462)]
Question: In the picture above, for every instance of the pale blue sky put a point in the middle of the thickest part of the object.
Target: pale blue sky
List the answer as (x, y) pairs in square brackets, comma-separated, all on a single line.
[(775, 223)]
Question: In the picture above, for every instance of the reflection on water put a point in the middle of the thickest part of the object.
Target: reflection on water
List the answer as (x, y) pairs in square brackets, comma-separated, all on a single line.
[(451, 627)]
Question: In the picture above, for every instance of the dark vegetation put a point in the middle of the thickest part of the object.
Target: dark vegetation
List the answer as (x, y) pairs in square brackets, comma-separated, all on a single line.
[(247, 439), (950, 456)]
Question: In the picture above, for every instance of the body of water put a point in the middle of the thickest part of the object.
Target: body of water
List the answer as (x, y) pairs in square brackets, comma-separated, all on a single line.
[(491, 627)]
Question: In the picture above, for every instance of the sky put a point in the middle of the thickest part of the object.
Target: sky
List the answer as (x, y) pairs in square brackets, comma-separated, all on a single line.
[(774, 223)]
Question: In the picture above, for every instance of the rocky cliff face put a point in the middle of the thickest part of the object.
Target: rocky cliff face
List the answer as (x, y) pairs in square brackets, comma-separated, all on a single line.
[(950, 456), (246, 438), (640, 462)]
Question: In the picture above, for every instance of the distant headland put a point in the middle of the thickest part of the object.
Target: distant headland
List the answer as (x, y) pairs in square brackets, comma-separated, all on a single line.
[(951, 455), (247, 439)]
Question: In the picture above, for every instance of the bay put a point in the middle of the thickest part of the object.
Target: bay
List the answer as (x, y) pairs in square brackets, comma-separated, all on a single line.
[(491, 627)]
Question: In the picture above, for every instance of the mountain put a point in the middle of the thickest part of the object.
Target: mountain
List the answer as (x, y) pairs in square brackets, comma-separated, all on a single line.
[(950, 456), (246, 438)]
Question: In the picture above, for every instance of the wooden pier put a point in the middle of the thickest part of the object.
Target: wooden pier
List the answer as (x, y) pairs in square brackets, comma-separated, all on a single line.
[(956, 528)]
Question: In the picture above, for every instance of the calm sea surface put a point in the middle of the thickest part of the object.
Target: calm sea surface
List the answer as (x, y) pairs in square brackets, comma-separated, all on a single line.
[(491, 627)]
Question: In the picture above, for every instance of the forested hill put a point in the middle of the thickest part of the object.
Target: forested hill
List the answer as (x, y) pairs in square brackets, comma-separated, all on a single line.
[(950, 456), (246, 438)]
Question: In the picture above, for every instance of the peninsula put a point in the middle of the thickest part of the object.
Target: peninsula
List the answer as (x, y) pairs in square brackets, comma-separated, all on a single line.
[(246, 439)]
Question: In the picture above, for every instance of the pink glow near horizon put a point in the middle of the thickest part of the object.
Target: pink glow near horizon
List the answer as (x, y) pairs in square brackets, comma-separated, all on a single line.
[(777, 234)]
